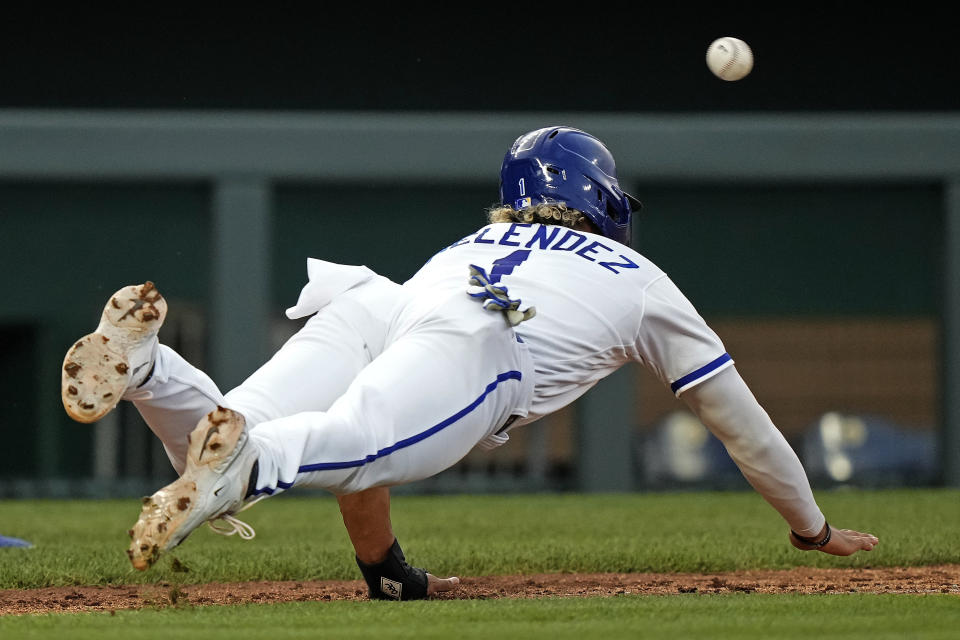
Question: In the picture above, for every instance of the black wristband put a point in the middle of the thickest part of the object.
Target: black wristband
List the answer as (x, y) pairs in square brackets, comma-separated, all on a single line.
[(394, 579), (811, 541)]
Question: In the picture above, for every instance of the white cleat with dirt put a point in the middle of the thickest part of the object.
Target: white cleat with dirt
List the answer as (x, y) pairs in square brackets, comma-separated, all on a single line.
[(102, 365), (213, 485)]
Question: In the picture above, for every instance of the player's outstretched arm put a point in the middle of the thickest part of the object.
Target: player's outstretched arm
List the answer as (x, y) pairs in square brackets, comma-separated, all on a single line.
[(366, 515), (439, 585), (726, 406)]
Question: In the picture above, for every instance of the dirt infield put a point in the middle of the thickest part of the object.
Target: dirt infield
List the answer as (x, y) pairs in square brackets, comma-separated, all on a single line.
[(917, 580)]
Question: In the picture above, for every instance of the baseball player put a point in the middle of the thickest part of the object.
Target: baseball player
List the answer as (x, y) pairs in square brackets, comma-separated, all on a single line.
[(390, 383)]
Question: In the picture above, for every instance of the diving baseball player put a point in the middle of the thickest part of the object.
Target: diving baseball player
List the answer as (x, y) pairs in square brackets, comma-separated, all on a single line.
[(390, 383)]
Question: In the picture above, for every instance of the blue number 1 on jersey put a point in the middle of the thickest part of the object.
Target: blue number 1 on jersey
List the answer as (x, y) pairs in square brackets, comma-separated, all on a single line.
[(504, 266)]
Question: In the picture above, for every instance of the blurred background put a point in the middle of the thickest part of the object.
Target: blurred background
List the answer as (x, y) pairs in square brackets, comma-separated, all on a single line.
[(811, 212)]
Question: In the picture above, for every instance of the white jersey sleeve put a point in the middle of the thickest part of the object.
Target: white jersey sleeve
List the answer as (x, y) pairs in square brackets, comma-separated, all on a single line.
[(675, 342), (729, 410)]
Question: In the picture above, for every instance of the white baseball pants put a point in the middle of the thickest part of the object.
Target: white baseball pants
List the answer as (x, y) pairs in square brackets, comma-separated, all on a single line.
[(379, 388)]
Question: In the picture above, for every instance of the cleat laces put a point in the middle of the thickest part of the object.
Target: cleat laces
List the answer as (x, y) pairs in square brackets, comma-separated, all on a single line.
[(227, 525)]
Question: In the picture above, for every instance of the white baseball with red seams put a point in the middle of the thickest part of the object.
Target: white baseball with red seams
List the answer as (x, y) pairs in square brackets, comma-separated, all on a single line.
[(729, 58)]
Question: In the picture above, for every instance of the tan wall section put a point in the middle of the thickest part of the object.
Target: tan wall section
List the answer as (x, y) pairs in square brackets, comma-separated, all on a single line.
[(801, 368)]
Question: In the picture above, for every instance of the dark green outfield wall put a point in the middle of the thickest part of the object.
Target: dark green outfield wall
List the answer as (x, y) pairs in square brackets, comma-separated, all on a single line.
[(807, 250), (735, 251), (392, 230), (71, 243), (64, 249)]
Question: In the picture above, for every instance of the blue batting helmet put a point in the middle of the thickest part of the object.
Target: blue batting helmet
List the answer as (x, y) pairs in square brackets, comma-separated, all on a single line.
[(563, 164)]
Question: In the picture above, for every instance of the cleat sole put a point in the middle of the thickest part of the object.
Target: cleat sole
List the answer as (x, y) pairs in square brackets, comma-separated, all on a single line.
[(93, 378), (96, 369), (171, 514)]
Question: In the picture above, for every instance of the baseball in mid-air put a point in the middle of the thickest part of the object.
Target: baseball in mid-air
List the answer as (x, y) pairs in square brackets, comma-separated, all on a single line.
[(729, 58)]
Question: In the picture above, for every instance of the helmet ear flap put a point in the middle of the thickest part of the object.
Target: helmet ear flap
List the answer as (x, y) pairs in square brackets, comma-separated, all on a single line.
[(612, 212)]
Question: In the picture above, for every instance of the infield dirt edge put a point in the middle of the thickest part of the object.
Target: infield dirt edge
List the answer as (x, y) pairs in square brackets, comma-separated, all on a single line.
[(75, 599)]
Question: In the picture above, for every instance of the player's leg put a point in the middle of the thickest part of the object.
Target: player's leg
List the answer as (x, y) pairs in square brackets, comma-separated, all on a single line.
[(366, 516), (307, 373), (173, 401), (416, 410), (448, 382), (317, 364), (123, 359)]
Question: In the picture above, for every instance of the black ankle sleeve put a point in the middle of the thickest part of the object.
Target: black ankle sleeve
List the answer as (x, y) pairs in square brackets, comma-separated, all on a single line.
[(394, 579)]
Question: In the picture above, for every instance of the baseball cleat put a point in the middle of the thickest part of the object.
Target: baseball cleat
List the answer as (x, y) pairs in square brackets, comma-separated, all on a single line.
[(102, 365), (213, 485)]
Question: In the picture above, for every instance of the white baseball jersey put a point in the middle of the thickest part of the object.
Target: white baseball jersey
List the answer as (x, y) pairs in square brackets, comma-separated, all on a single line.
[(599, 305)]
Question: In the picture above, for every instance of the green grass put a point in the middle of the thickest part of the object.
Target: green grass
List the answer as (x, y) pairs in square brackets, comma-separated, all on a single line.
[(302, 537), (718, 617)]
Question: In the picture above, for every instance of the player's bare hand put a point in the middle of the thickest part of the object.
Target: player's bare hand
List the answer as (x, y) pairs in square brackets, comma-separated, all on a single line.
[(438, 585), (843, 542)]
